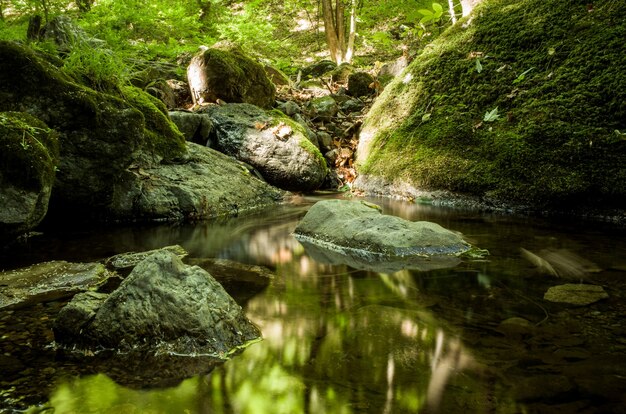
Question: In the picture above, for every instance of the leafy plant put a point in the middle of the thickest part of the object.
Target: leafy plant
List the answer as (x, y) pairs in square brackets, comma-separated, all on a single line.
[(491, 116), (522, 76), (431, 16)]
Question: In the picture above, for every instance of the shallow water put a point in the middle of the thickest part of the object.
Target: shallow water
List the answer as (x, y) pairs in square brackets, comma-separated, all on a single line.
[(344, 340)]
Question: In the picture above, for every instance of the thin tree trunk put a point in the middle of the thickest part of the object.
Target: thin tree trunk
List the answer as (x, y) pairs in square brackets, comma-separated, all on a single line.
[(340, 28), (1, 10), (331, 31), (451, 11), (352, 34)]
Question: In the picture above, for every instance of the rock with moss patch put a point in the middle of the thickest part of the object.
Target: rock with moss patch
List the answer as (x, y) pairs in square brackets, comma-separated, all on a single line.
[(226, 73), (207, 184), (100, 135), (271, 142), (317, 69), (28, 158), (162, 306), (361, 232), (576, 294), (556, 109), (323, 108), (359, 84), (49, 281)]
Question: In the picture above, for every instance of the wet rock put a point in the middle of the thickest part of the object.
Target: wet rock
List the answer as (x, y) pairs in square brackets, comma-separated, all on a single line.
[(163, 306), (274, 144), (127, 261), (359, 84), (323, 108), (516, 327), (226, 73), (576, 294), (360, 229), (542, 387), (207, 185), (29, 153), (194, 126), (49, 281)]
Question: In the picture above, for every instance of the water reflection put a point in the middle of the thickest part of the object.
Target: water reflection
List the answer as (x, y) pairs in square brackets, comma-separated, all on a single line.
[(338, 339)]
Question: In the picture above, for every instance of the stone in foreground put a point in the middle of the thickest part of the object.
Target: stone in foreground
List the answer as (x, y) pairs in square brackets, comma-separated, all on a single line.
[(359, 230), (163, 306)]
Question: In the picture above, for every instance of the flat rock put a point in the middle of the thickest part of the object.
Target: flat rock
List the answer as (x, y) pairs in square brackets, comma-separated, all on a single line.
[(49, 281), (576, 294)]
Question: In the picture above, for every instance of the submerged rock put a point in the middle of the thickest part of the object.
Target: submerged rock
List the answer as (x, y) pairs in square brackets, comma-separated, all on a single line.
[(360, 231), (162, 306), (49, 281), (269, 141), (576, 294)]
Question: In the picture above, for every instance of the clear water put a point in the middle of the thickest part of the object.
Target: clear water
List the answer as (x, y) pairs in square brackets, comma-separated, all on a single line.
[(344, 340)]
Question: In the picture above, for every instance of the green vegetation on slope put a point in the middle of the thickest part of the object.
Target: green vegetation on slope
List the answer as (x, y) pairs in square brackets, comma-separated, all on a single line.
[(527, 105)]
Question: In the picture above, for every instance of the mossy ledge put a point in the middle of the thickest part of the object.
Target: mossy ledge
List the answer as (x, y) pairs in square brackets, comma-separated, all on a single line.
[(556, 74)]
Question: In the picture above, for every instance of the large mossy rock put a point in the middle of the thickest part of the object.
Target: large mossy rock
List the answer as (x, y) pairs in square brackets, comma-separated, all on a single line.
[(100, 134), (226, 73), (524, 105), (207, 185), (163, 305), (269, 141), (29, 154), (361, 228)]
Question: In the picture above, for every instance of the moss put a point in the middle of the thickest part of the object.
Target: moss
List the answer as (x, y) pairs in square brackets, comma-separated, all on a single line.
[(278, 117), (161, 133), (556, 73), (29, 151)]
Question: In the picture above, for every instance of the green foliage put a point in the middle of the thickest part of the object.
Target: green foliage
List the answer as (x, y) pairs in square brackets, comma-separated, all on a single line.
[(431, 16), (100, 69)]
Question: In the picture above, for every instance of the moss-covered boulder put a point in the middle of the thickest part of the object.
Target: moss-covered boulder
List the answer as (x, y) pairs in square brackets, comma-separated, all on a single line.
[(526, 105), (226, 73), (100, 134), (28, 158), (274, 144)]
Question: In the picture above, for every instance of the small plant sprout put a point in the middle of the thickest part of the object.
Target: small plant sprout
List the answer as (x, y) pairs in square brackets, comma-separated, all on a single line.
[(491, 116)]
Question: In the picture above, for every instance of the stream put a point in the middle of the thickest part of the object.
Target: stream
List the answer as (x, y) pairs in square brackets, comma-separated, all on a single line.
[(476, 338)]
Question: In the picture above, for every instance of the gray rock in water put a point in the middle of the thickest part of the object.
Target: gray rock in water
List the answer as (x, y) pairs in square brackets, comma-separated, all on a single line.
[(49, 281), (271, 142), (361, 230), (127, 261), (576, 294), (162, 306), (208, 185)]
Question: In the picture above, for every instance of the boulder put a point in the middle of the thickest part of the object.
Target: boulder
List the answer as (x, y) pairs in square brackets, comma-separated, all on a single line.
[(277, 77), (194, 126), (226, 73), (359, 84), (182, 94), (49, 281), (360, 229), (127, 261), (269, 141), (100, 134), (207, 185), (28, 158), (163, 306)]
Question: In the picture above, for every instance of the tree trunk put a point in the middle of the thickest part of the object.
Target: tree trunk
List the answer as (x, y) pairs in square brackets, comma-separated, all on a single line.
[(34, 28), (340, 28), (468, 5), (451, 11), (351, 33), (331, 31)]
